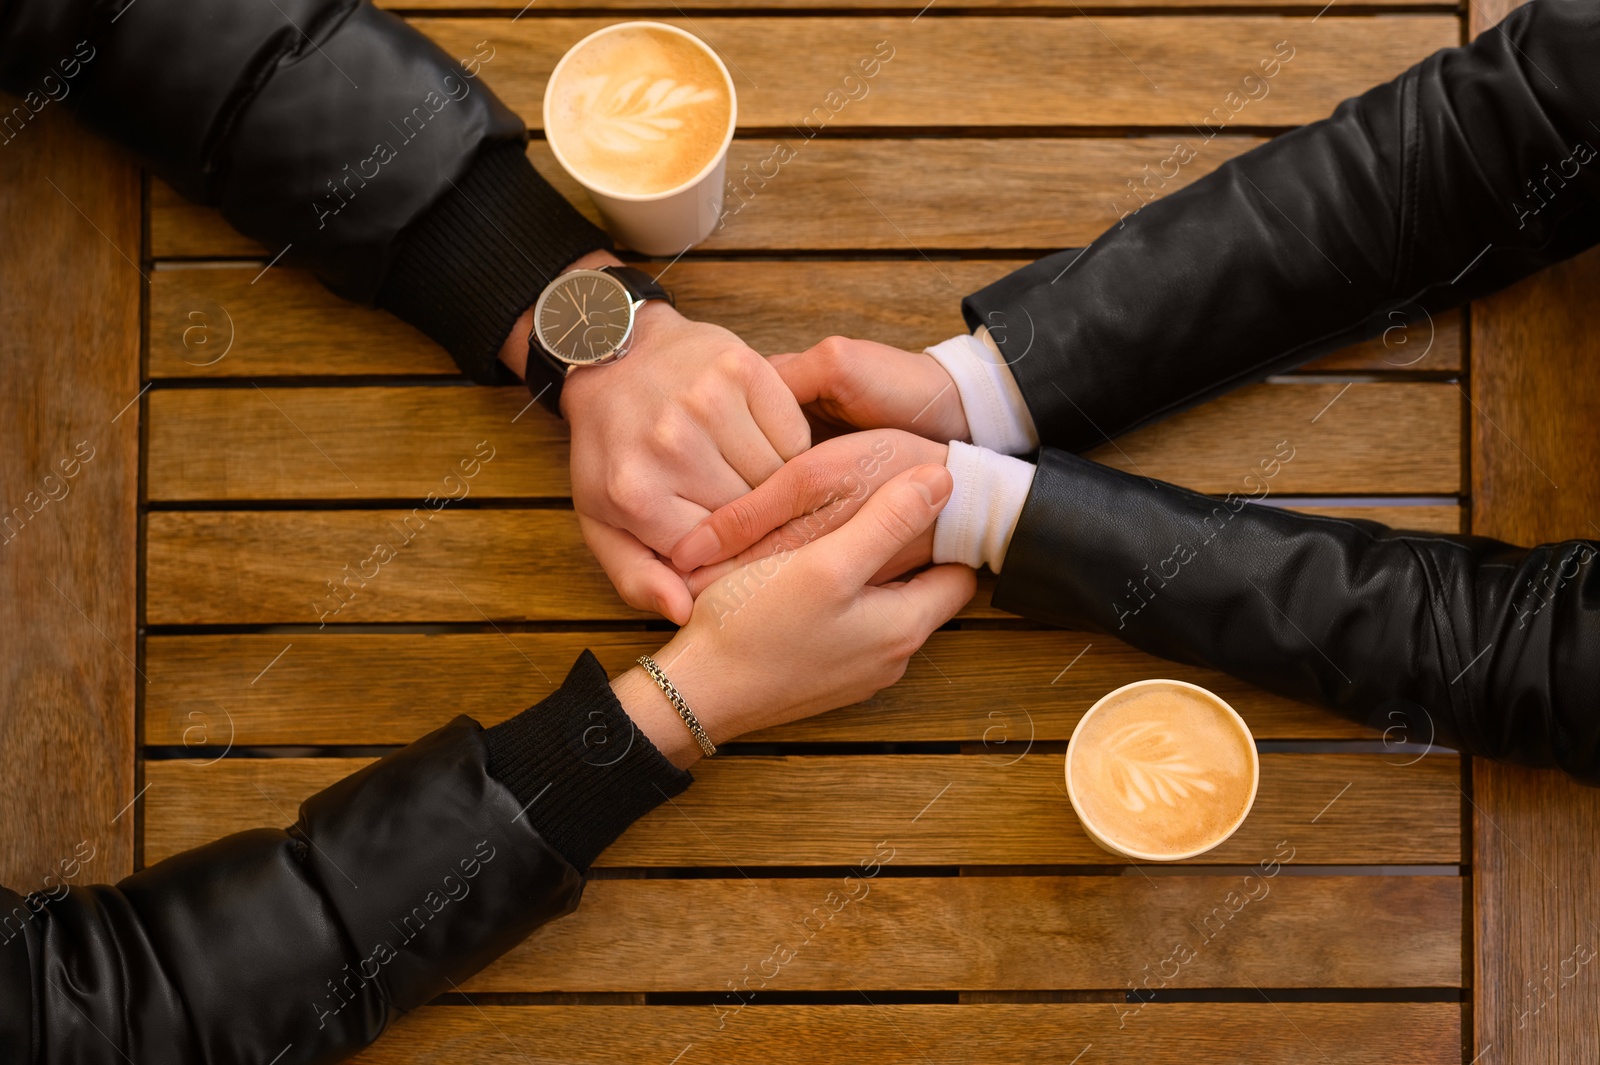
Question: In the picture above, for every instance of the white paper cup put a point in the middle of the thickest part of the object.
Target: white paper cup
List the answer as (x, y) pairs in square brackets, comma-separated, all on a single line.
[(667, 222), (1107, 842)]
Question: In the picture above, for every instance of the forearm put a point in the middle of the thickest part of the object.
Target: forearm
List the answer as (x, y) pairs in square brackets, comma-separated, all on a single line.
[(1415, 195), (395, 884), (1468, 642), (342, 139)]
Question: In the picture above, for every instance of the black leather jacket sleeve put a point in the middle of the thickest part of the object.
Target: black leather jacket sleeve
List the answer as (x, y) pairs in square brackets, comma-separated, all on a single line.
[(1465, 642), (327, 130), (1471, 170), (301, 945)]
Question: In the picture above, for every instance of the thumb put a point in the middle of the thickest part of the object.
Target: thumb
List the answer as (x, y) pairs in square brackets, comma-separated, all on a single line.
[(891, 518), (797, 488)]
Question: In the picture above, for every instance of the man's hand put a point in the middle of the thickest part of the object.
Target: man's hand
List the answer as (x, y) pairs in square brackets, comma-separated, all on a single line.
[(861, 384), (811, 496), (688, 420)]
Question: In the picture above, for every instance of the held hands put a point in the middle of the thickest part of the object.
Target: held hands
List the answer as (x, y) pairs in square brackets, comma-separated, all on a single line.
[(809, 497), (689, 421), (805, 630)]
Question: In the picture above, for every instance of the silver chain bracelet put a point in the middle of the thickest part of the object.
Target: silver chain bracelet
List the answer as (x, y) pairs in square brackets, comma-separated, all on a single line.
[(678, 704)]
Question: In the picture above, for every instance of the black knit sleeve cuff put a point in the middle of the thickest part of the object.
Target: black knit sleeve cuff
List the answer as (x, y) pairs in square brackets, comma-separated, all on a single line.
[(580, 766), (480, 256)]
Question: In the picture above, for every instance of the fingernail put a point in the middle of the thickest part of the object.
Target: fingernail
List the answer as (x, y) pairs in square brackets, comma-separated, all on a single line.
[(932, 483), (698, 547)]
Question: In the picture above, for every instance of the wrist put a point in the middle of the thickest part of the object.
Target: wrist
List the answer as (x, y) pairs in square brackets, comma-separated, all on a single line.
[(651, 324), (654, 714), (514, 351)]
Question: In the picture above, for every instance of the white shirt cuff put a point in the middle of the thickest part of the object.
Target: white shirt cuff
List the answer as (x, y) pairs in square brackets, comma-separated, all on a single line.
[(997, 417), (975, 526)]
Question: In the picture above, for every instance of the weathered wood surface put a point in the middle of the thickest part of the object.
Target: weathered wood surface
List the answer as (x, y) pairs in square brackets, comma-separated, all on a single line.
[(69, 368)]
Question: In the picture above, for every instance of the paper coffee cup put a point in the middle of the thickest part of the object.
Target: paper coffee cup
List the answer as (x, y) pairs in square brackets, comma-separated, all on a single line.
[(663, 222), (1161, 780)]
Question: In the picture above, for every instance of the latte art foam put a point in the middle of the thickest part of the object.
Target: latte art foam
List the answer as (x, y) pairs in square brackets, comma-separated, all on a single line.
[(1162, 770), (638, 111)]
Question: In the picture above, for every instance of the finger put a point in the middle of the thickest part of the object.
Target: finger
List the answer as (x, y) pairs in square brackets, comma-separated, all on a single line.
[(912, 556), (928, 600), (891, 518), (662, 519), (778, 413), (803, 374), (641, 578), (798, 488), (746, 448)]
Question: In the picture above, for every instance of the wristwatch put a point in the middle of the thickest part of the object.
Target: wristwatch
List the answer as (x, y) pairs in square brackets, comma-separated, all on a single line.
[(584, 318)]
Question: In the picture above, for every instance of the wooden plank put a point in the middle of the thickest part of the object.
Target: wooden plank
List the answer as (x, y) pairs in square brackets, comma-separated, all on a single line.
[(1268, 1033), (372, 689), (1109, 71), (1007, 932), (907, 196), (749, 811), (1536, 871), (233, 321), (1358, 436), (456, 441), (403, 443), (275, 567), (69, 366)]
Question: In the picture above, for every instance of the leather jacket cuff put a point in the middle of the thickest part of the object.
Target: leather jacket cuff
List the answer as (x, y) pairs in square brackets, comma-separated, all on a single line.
[(469, 267), (580, 767)]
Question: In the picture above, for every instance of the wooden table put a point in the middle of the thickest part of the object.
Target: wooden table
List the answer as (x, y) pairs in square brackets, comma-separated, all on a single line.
[(902, 880)]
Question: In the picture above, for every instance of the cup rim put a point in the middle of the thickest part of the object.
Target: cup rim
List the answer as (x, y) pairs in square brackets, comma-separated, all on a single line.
[(717, 157), (1102, 838)]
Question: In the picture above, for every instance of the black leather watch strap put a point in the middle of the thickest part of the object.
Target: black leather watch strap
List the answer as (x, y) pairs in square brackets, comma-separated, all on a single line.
[(545, 373), (636, 281)]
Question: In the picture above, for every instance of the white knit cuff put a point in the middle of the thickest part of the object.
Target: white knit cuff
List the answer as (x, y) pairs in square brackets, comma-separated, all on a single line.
[(975, 526), (997, 416)]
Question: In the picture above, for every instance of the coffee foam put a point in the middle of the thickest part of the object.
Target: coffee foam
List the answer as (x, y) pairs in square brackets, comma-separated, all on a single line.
[(1162, 770), (639, 110)]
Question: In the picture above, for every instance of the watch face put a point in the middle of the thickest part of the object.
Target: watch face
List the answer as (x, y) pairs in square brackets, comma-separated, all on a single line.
[(583, 317)]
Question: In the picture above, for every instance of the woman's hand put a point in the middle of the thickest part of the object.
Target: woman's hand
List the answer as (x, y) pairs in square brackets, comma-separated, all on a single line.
[(861, 384), (804, 631), (812, 495)]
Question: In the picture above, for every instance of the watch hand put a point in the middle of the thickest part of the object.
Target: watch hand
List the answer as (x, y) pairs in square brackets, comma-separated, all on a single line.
[(568, 333)]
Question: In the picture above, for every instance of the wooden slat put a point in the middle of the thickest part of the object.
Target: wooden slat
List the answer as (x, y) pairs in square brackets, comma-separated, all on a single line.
[(946, 932), (233, 321), (351, 443), (1059, 932), (1110, 71), (906, 196), (366, 689), (937, 809), (272, 567), (401, 443), (1267, 1033), (69, 364), (1536, 480)]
